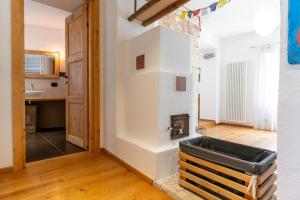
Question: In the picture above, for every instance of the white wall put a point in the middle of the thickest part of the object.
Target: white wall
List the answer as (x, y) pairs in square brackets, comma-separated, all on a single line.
[(45, 86), (149, 96), (175, 52), (118, 29), (176, 60), (46, 39), (288, 122), (237, 49), (140, 112), (208, 86), (6, 148), (140, 155)]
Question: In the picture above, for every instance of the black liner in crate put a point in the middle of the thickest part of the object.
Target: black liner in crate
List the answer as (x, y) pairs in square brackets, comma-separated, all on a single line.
[(237, 156)]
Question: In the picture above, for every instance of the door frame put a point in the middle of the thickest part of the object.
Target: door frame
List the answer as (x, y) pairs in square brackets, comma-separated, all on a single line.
[(18, 81)]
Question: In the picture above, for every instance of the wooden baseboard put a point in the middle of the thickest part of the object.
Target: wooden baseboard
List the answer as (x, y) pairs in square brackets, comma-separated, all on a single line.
[(208, 120), (206, 123), (6, 170), (128, 166), (234, 124), (73, 155)]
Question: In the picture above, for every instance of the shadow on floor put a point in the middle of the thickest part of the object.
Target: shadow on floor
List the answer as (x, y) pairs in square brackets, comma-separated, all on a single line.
[(45, 145)]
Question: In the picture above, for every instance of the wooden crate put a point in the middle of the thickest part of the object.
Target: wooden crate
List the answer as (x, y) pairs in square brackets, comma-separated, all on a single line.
[(216, 182)]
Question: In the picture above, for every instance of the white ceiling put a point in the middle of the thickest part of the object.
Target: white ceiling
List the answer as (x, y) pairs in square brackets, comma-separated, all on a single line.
[(42, 15), (235, 18), (67, 5)]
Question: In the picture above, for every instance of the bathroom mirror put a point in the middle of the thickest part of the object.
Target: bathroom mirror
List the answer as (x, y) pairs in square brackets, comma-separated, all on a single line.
[(41, 64)]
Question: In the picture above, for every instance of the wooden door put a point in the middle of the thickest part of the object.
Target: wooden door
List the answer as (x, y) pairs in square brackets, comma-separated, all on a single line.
[(77, 72)]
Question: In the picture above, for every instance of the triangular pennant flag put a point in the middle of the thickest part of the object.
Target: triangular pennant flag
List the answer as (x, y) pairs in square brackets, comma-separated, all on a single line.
[(222, 3), (183, 15), (196, 12), (204, 11), (190, 14), (213, 7)]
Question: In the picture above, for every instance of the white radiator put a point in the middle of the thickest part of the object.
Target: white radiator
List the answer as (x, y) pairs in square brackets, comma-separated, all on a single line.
[(236, 92)]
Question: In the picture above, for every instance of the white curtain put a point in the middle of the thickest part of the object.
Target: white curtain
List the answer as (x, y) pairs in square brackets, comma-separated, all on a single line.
[(266, 86)]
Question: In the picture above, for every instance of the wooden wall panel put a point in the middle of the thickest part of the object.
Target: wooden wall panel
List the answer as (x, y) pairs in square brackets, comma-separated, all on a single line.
[(18, 83), (94, 75)]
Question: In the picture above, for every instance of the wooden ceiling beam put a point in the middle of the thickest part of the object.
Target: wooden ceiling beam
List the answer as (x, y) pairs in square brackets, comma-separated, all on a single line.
[(143, 9), (164, 12)]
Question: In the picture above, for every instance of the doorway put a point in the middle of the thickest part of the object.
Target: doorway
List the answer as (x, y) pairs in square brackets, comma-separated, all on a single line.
[(240, 74), (56, 125)]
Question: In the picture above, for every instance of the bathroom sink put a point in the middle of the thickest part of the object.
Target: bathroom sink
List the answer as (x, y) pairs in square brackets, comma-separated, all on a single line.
[(33, 93)]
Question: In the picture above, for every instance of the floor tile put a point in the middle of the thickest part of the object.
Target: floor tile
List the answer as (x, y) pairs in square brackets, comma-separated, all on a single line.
[(45, 145)]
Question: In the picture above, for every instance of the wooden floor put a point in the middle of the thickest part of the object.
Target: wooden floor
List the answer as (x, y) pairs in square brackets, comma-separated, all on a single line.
[(97, 177), (245, 135), (77, 177)]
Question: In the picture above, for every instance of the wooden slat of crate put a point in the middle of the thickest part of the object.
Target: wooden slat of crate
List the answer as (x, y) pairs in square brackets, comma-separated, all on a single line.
[(215, 177), (265, 182), (273, 197), (271, 170), (270, 193), (198, 190), (266, 185), (219, 168), (211, 186)]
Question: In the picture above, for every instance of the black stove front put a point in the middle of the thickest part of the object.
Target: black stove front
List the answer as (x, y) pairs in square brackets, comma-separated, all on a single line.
[(179, 126)]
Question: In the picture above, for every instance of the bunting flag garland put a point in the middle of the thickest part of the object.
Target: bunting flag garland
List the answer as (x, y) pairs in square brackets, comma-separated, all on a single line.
[(196, 12), (213, 7), (222, 3), (183, 15), (190, 14), (203, 11)]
